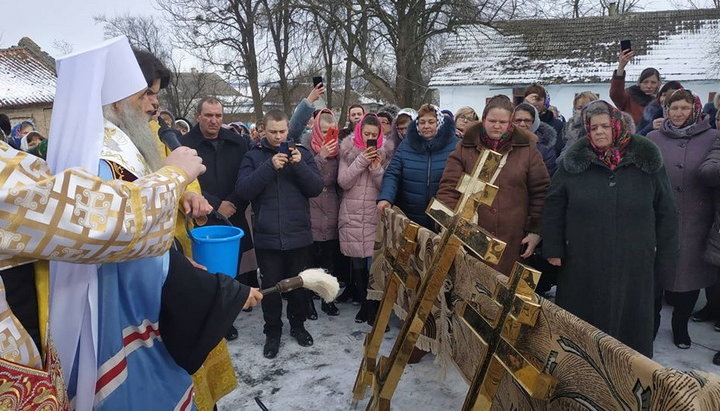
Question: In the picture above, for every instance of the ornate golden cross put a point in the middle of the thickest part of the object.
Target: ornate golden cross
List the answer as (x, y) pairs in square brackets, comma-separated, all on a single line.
[(397, 258), (475, 189), (515, 306)]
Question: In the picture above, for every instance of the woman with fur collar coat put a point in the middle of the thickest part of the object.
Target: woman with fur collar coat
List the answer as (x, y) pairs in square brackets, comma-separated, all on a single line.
[(610, 224), (514, 216), (413, 176)]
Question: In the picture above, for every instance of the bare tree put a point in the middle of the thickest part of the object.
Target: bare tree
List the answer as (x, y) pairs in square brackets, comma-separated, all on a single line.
[(388, 39), (221, 33), (142, 32), (695, 4), (277, 17), (62, 46)]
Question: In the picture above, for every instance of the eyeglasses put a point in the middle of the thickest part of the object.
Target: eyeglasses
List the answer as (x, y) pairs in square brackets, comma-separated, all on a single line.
[(466, 118)]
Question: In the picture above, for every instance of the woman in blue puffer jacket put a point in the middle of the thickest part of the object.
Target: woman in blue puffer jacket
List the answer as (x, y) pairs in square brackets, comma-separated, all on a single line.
[(413, 176)]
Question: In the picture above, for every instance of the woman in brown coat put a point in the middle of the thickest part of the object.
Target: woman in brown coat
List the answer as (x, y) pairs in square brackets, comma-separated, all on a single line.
[(515, 214)]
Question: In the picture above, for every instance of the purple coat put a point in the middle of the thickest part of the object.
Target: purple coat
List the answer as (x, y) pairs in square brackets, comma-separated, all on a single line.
[(358, 210), (682, 156), (324, 208)]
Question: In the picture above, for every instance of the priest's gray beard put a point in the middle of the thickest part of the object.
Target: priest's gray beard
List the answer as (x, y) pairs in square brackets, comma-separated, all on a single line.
[(135, 125)]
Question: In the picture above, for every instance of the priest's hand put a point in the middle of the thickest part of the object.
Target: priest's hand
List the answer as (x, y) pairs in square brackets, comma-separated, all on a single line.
[(253, 299), (556, 261), (532, 240), (227, 209), (187, 160), (195, 205), (196, 264)]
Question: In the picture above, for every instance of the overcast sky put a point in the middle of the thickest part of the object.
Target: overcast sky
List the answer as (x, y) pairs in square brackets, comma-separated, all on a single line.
[(71, 21), (48, 21)]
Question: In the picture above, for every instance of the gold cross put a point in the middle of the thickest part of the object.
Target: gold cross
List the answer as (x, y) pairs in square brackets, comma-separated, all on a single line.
[(398, 259), (516, 307), (474, 189)]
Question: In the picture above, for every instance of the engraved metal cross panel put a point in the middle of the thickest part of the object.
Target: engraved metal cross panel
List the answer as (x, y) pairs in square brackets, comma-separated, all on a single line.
[(516, 307), (474, 189)]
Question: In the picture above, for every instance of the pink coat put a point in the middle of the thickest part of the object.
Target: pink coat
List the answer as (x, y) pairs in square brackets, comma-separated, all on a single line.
[(324, 208), (358, 216)]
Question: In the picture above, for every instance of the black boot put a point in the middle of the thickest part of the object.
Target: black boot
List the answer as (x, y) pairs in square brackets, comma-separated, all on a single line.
[(361, 316), (681, 337), (302, 336), (360, 282), (371, 311), (272, 346), (329, 309), (311, 312)]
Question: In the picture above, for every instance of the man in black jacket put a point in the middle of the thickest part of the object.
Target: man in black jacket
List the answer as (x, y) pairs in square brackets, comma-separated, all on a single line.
[(222, 150), (279, 185)]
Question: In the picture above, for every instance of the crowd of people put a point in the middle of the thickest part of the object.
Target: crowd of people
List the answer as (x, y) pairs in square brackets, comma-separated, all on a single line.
[(619, 205)]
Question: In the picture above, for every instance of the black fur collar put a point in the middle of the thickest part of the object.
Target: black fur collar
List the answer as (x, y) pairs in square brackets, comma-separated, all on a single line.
[(641, 152), (444, 135), (639, 96)]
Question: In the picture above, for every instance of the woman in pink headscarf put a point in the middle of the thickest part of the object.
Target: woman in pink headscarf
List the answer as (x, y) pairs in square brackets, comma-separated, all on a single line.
[(324, 208), (363, 159)]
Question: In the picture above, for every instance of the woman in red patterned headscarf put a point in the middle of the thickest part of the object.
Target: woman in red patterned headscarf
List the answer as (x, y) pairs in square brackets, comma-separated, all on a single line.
[(610, 224)]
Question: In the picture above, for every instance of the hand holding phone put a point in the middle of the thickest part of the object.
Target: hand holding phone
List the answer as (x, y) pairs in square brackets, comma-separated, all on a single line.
[(371, 142), (332, 134), (284, 148), (625, 45), (317, 80)]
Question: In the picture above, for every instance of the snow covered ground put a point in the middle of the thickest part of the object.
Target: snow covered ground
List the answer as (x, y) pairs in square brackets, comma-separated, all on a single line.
[(321, 377)]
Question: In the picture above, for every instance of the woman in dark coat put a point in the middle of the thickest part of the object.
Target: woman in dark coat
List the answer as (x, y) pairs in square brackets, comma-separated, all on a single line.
[(709, 174), (684, 139), (523, 180), (413, 175), (610, 224)]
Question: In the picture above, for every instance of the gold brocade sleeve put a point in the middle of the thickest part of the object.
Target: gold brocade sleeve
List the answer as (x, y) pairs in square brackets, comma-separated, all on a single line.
[(77, 217)]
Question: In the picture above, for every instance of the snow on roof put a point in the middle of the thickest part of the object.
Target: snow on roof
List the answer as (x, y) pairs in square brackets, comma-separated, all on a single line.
[(681, 44), (25, 78)]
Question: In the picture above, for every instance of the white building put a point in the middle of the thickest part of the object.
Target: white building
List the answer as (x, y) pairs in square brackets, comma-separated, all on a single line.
[(569, 56)]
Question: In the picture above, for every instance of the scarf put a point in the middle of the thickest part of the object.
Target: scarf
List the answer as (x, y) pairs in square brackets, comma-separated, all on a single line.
[(685, 130), (501, 145), (611, 155), (438, 114), (317, 138), (359, 141)]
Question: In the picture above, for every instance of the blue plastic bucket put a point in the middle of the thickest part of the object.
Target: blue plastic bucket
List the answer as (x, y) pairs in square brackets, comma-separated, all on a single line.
[(217, 247)]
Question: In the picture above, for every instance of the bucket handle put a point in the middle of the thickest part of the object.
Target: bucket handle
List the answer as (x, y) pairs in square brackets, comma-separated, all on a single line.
[(214, 213)]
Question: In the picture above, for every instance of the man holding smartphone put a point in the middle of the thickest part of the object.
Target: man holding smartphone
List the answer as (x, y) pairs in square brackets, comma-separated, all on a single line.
[(278, 177)]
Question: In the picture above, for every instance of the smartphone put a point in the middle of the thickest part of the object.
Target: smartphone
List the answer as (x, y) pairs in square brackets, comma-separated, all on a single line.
[(332, 134), (284, 148), (317, 80), (291, 145), (625, 45), (371, 142)]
